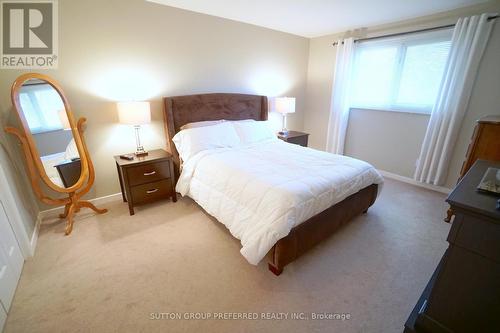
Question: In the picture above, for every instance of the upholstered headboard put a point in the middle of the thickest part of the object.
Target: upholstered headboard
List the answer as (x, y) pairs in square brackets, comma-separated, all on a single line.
[(180, 110)]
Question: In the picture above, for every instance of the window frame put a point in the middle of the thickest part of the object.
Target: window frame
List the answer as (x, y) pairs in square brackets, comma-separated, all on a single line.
[(402, 43)]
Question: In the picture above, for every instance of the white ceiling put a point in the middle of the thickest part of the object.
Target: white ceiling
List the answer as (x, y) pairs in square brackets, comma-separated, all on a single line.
[(312, 18)]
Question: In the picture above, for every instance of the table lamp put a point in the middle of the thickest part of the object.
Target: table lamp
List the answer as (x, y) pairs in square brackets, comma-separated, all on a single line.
[(136, 114), (285, 105)]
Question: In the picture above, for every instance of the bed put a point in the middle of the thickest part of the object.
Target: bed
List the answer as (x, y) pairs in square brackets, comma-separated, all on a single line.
[(50, 161), (279, 199)]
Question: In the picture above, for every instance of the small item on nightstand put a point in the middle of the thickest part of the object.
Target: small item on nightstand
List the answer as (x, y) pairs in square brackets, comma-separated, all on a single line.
[(128, 157)]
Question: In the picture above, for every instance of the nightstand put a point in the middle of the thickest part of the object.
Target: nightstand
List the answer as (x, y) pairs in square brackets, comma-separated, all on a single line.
[(69, 171), (298, 138), (147, 178)]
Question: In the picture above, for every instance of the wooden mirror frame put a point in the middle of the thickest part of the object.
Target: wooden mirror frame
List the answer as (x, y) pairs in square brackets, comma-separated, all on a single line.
[(36, 170)]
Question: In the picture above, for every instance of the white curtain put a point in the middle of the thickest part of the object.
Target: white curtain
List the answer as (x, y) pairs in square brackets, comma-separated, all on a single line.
[(339, 107), (469, 40)]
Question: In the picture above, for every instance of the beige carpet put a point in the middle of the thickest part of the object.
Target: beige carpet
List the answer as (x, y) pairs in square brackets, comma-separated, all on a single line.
[(115, 270)]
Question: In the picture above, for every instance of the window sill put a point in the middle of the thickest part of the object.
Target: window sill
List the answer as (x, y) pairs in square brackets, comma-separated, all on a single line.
[(420, 112)]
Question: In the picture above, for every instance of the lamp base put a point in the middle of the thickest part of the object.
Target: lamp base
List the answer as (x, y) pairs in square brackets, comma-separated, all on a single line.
[(139, 151)]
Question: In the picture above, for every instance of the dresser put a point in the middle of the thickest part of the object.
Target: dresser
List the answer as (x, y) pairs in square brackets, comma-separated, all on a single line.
[(146, 179), (484, 144), (463, 294), (295, 137)]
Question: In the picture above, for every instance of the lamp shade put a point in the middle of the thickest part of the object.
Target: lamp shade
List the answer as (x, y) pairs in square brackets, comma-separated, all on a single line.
[(134, 113), (285, 104)]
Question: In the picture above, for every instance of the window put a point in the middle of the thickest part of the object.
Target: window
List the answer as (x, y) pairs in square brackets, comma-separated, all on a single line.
[(41, 105), (400, 74)]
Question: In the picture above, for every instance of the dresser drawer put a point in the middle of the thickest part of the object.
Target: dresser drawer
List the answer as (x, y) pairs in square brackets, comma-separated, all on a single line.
[(477, 235), (151, 191), (148, 173)]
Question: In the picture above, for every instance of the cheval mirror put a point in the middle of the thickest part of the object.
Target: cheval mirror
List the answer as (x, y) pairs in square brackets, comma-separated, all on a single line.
[(53, 144)]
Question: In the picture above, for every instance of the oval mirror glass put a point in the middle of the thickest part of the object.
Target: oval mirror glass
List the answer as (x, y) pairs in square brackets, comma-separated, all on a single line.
[(47, 119)]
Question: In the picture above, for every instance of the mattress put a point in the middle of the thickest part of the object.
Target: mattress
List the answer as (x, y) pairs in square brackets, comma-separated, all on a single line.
[(261, 191)]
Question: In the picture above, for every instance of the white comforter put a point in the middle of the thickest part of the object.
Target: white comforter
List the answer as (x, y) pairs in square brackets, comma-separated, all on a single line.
[(261, 191)]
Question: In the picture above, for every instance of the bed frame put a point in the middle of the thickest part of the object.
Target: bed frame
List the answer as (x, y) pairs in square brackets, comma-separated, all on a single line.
[(180, 110)]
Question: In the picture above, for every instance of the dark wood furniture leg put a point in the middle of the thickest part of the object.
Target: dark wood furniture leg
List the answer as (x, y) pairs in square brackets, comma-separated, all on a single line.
[(131, 208), (173, 180), (275, 270), (449, 214), (120, 176)]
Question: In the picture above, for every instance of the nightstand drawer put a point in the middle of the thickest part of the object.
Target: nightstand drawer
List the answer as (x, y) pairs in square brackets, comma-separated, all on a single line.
[(299, 140), (151, 191), (148, 173), (146, 179)]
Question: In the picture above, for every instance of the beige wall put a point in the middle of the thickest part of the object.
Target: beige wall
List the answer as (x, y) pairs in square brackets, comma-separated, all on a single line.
[(391, 141), (123, 50)]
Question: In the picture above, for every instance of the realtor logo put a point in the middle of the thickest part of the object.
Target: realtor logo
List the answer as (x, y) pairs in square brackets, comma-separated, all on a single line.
[(29, 34)]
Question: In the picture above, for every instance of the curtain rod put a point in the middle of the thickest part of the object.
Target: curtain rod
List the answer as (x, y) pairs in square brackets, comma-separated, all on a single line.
[(410, 32)]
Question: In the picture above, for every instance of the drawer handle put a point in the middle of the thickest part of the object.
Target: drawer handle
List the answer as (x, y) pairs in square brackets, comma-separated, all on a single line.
[(149, 173), (152, 191)]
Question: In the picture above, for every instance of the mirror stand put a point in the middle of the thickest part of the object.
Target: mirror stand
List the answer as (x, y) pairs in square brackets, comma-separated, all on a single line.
[(73, 203)]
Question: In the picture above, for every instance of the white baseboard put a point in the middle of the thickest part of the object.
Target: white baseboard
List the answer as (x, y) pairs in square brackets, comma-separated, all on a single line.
[(53, 212), (412, 181), (34, 236)]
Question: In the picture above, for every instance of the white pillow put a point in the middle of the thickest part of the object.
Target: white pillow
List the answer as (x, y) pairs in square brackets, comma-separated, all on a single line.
[(201, 124), (240, 121), (253, 131), (193, 140)]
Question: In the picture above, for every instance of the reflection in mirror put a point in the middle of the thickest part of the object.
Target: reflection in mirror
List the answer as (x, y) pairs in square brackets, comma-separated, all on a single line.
[(44, 111)]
